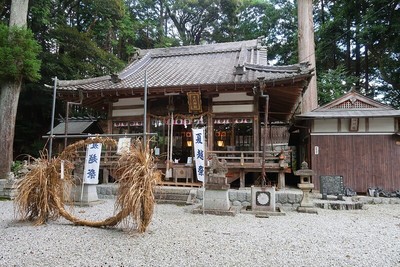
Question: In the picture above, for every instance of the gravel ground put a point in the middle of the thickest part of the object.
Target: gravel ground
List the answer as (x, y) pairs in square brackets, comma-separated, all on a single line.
[(369, 237)]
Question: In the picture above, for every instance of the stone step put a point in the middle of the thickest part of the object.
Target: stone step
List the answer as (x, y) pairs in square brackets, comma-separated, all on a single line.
[(179, 197), (339, 206), (8, 189)]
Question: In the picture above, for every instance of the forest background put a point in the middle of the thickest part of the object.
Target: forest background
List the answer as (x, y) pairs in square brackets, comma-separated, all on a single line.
[(357, 44)]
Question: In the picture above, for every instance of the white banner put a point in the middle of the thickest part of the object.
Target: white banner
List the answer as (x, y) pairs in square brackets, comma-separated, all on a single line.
[(199, 153), (124, 145), (92, 164)]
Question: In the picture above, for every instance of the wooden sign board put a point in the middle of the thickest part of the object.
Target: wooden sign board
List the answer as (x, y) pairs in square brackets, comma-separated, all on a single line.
[(194, 102)]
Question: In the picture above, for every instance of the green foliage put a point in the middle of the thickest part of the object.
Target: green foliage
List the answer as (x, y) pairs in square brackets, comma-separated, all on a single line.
[(192, 19), (391, 96), (18, 54), (16, 167), (334, 83), (362, 36), (33, 120), (80, 57)]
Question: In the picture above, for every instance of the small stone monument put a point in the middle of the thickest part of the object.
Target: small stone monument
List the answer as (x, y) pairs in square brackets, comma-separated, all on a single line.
[(263, 199), (306, 204), (216, 197), (85, 194)]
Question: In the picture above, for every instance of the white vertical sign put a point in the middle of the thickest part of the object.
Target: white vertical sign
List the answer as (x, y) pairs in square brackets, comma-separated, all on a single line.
[(92, 164), (199, 152)]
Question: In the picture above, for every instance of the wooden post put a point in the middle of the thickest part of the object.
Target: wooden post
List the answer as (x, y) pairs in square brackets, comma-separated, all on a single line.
[(242, 176), (307, 51)]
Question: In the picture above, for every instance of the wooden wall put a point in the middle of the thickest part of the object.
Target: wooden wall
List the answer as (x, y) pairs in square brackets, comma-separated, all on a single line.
[(363, 160)]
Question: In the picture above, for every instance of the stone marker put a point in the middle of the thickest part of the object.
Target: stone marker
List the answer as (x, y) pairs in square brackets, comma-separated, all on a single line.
[(216, 197)]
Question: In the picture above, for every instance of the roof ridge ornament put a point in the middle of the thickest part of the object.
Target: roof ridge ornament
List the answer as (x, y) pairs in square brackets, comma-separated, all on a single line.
[(115, 78), (239, 70)]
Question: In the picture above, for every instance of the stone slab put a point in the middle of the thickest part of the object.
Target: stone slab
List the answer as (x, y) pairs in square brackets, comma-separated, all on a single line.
[(307, 210), (264, 214), (216, 200), (217, 186), (200, 210)]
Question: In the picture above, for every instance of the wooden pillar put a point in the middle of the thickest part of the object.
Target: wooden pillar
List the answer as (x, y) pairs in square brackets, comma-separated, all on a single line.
[(242, 178), (307, 51), (256, 127), (106, 172), (109, 119), (210, 125)]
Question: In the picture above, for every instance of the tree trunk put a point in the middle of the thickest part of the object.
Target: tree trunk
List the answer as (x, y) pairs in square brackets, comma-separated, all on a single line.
[(348, 46), (19, 13), (307, 50), (9, 96)]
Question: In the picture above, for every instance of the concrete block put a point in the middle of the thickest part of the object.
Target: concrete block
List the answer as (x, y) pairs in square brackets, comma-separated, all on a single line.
[(200, 193), (216, 200), (89, 193)]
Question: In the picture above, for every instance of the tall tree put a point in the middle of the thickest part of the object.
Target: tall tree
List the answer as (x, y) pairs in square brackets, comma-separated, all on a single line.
[(19, 50), (307, 50), (363, 36), (192, 18)]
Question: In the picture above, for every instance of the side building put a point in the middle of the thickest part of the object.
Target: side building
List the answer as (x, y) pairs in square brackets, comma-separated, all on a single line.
[(354, 137)]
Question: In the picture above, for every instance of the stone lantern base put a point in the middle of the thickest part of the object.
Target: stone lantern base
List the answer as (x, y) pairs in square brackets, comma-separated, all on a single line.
[(306, 204)]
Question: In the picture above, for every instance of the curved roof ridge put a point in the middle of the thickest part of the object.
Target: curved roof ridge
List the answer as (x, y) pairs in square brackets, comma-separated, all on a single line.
[(83, 81), (204, 47), (132, 68), (300, 67), (187, 53)]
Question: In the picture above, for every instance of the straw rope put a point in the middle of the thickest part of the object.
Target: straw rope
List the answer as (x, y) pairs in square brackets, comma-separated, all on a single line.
[(41, 197)]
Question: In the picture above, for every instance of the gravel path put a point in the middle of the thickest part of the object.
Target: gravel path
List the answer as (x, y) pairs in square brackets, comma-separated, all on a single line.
[(369, 237)]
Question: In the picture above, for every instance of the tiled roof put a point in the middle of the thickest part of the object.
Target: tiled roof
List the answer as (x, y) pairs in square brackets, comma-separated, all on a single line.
[(350, 114), (350, 105), (212, 64), (75, 126)]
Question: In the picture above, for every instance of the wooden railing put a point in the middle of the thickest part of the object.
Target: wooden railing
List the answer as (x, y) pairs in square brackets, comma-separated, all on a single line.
[(238, 162), (254, 158), (233, 158)]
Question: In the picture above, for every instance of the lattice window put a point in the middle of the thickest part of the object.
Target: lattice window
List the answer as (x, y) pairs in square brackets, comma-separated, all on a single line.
[(353, 104)]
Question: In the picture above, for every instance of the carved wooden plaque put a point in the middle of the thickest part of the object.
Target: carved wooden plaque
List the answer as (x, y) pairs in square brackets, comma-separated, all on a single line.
[(194, 102)]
